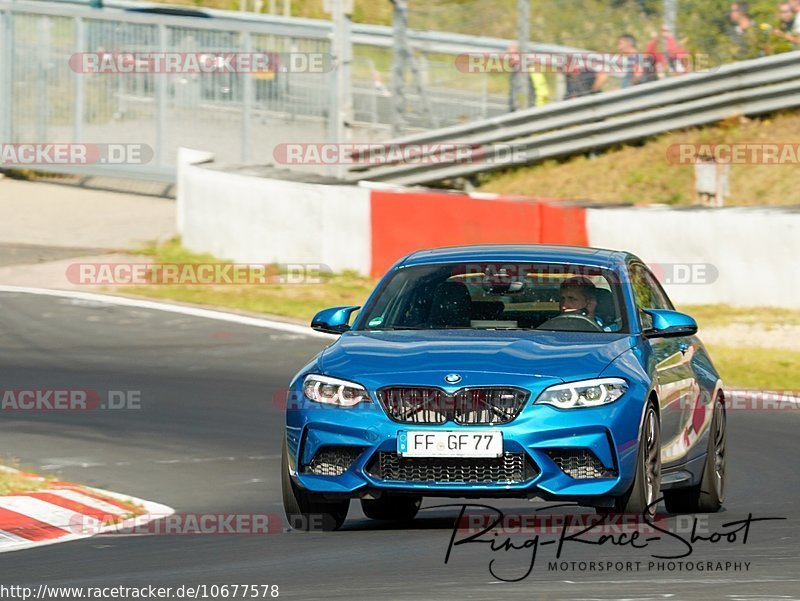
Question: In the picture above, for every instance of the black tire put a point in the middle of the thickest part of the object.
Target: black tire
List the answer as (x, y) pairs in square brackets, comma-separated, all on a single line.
[(646, 486), (709, 495), (308, 511), (396, 508)]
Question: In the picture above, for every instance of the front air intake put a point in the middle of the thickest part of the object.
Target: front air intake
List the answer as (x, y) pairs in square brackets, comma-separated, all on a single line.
[(580, 464), (333, 460)]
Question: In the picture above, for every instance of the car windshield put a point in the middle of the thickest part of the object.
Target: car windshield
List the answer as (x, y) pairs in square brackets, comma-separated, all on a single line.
[(507, 296)]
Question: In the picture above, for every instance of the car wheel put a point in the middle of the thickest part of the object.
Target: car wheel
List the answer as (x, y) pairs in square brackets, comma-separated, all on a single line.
[(397, 508), (709, 495), (646, 486), (308, 511)]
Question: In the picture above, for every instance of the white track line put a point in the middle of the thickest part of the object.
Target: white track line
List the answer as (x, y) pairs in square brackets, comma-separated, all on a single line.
[(124, 301)]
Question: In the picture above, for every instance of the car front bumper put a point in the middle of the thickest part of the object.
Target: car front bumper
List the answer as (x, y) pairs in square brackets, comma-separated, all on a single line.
[(563, 452)]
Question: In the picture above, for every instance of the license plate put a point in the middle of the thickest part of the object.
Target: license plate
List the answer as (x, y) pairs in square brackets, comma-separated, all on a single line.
[(427, 443)]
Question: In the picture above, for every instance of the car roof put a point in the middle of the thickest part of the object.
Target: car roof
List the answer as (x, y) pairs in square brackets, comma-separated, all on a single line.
[(534, 253)]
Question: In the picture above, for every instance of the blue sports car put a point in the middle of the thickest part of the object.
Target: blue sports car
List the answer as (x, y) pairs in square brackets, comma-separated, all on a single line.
[(556, 372)]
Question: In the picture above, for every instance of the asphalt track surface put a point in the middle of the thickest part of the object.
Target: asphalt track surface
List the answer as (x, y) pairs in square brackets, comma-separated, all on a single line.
[(207, 439)]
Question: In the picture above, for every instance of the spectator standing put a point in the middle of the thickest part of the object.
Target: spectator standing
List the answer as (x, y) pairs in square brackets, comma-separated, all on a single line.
[(639, 68), (672, 57), (744, 34), (788, 25), (584, 81), (538, 89), (795, 4)]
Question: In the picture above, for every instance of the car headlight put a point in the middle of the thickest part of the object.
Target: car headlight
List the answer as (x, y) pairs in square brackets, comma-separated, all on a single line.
[(332, 391), (586, 393)]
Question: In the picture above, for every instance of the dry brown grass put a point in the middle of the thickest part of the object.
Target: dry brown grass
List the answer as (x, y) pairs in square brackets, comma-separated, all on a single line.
[(12, 482)]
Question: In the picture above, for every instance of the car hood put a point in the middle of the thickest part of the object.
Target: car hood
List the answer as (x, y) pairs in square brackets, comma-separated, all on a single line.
[(480, 357)]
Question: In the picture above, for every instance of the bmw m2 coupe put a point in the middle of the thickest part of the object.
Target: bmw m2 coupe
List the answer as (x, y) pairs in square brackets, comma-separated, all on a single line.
[(506, 371)]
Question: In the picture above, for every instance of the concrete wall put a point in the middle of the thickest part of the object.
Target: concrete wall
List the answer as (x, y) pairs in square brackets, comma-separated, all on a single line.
[(749, 256), (251, 219)]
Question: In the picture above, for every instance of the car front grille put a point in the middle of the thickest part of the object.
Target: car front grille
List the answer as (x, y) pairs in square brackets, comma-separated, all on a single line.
[(580, 464), (468, 406), (333, 460), (510, 468)]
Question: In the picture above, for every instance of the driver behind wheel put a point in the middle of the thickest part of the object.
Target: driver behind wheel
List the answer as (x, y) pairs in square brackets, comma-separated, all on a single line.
[(579, 295)]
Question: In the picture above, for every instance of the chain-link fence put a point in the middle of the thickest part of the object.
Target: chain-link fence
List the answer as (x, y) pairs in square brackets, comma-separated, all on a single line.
[(48, 94)]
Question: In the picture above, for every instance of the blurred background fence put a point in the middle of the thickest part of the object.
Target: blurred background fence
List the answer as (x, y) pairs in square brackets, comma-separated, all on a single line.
[(238, 116), (241, 117)]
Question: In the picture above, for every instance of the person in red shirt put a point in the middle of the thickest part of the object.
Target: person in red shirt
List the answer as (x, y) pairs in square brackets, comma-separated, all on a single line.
[(669, 55)]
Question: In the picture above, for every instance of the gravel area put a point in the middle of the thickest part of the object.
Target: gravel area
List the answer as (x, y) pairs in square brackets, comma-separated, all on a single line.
[(752, 335)]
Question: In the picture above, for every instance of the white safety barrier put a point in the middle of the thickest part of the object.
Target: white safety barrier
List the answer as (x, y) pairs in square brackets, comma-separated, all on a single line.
[(737, 256), (252, 219)]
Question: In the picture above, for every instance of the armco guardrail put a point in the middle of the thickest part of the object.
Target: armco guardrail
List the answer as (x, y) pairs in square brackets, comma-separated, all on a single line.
[(749, 87)]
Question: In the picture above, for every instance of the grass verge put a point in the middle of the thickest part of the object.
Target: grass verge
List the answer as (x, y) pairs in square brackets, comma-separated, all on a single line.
[(758, 368), (298, 301), (725, 315), (13, 482)]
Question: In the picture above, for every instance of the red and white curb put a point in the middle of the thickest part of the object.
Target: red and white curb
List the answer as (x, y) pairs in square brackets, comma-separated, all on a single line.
[(64, 511)]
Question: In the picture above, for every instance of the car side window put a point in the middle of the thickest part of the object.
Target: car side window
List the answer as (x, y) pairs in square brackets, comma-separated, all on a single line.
[(660, 299), (647, 292)]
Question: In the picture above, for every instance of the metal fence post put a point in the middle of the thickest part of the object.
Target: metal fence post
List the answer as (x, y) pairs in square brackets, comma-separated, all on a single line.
[(399, 46), (373, 94), (339, 116), (42, 54), (293, 49), (162, 83), (79, 79), (522, 78), (247, 101), (671, 15), (485, 97), (6, 77)]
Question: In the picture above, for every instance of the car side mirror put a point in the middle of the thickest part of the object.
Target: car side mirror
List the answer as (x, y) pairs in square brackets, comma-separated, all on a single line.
[(334, 320), (669, 324)]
